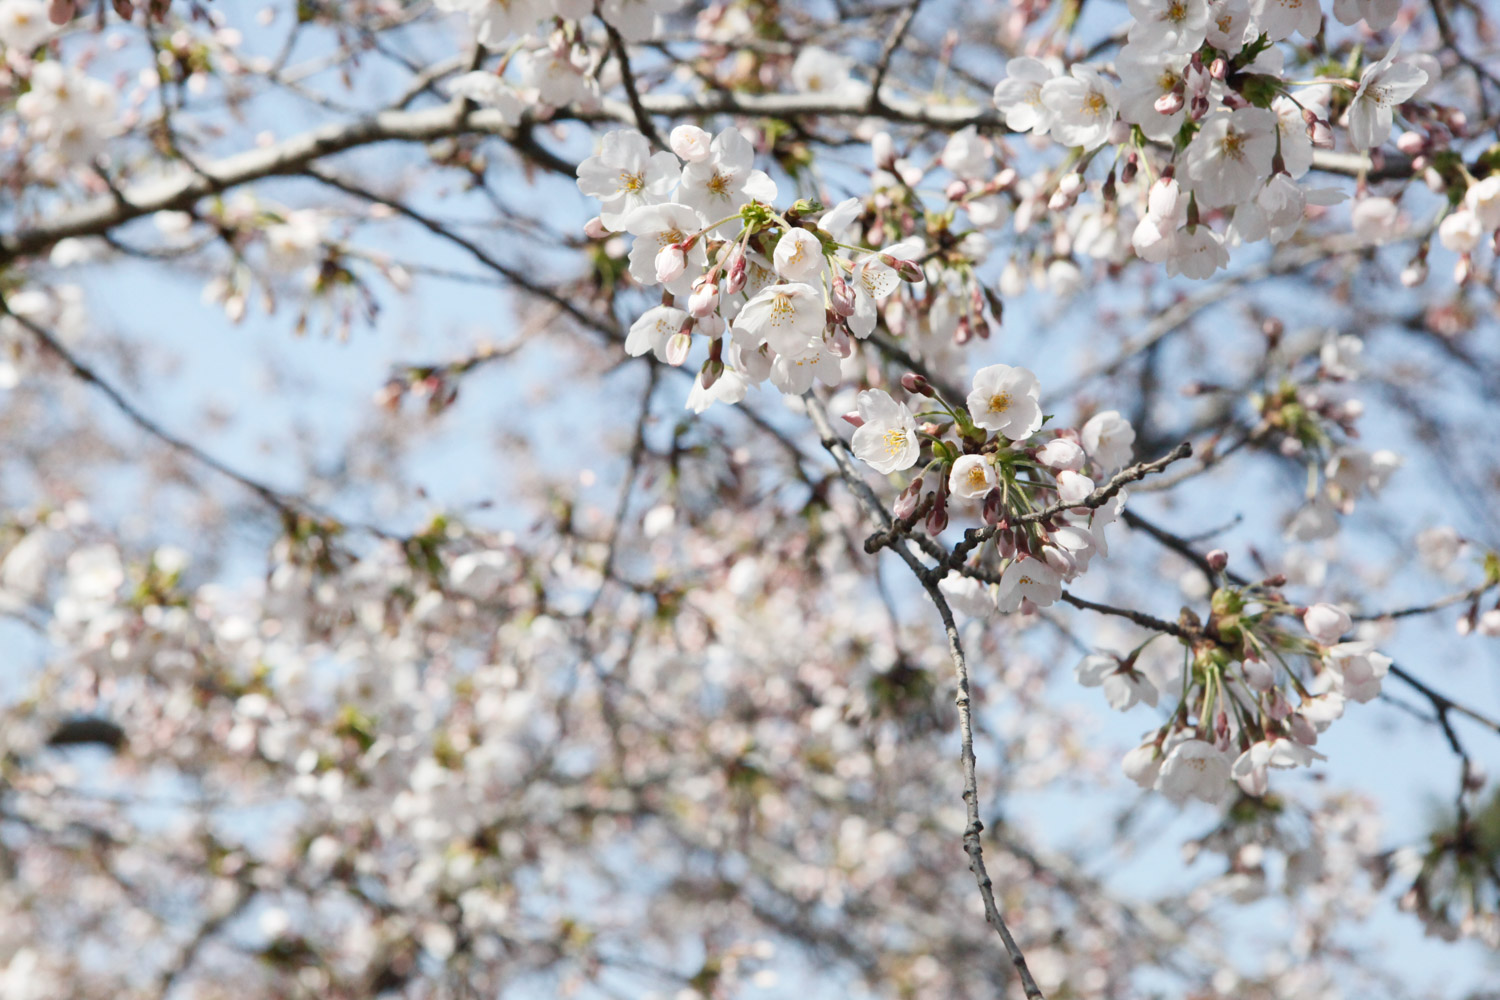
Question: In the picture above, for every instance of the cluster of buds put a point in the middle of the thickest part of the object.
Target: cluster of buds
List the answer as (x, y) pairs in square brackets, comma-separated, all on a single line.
[(1036, 500)]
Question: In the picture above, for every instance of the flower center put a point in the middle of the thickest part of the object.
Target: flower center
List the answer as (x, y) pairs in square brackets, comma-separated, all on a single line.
[(1095, 104), (1176, 11), (1233, 145), (719, 184), (895, 441), (631, 182), (1000, 402), (977, 478)]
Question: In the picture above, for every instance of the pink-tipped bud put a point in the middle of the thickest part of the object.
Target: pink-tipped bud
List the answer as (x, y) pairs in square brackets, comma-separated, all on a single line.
[(1217, 560), (841, 297), (705, 298), (1170, 103), (60, 11), (678, 347), (595, 229), (1411, 143), (916, 384), (671, 263), (736, 275), (853, 419), (992, 510), (956, 191), (1218, 69), (906, 503), (907, 269)]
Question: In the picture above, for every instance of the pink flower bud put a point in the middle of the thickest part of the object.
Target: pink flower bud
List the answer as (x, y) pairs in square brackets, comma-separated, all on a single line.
[(1170, 103), (1217, 560), (1218, 69), (671, 263), (906, 503), (690, 142), (595, 229), (60, 11), (1411, 143), (705, 298), (842, 297), (907, 269), (916, 384), (678, 347), (956, 191), (854, 419), (736, 274)]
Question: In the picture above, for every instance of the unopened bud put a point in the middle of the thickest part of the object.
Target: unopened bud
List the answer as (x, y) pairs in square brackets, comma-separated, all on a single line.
[(1170, 103), (937, 518), (60, 11), (916, 384), (841, 297), (1218, 69), (705, 298), (736, 276), (1131, 168), (906, 503), (671, 263), (907, 269), (1217, 560), (992, 510), (854, 419), (709, 374), (956, 191), (678, 347), (1411, 143), (125, 8)]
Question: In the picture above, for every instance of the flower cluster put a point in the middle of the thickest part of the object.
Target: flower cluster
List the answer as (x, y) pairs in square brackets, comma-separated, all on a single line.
[(1036, 498), (776, 296), (1252, 696)]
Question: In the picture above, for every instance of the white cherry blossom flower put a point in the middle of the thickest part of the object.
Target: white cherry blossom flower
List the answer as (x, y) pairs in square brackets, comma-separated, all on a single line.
[(1061, 454), (23, 24), (691, 143), (625, 175), (718, 185), (1073, 488), (1460, 231), (1357, 669), (799, 256), (1439, 547), (1019, 95), (1177, 26), (1382, 87), (652, 330), (969, 155), (787, 316), (1378, 14), (1146, 77), (1326, 623), (1028, 580), (1483, 199), (1109, 440), (887, 440), (793, 371), (494, 21), (871, 279), (1230, 157), (657, 227), (818, 71), (968, 595), (1279, 19), (1082, 107), (1194, 769), (1197, 252), (1155, 236), (636, 20), (973, 476), (491, 91), (1006, 399), (559, 76), (1228, 27), (1376, 220)]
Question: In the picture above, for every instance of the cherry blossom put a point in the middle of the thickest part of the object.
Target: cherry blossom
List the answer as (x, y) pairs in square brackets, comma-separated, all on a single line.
[(1006, 399)]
